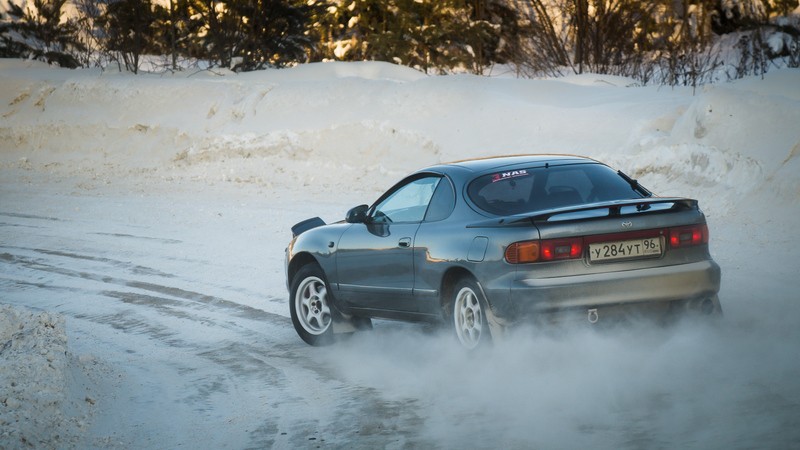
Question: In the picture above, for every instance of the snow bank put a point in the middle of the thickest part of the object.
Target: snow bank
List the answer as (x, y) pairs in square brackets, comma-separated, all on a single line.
[(35, 379), (364, 125)]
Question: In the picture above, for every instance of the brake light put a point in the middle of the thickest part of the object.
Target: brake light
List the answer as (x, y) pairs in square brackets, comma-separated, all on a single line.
[(688, 236), (545, 250), (562, 249)]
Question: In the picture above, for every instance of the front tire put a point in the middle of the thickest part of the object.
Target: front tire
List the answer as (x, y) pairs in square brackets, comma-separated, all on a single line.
[(469, 315), (311, 306)]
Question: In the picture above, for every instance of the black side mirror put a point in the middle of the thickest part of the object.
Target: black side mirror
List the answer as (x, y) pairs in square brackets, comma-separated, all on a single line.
[(357, 214)]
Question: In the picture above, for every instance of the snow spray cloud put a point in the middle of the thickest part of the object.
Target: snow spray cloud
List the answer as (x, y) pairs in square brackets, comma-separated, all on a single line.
[(728, 383)]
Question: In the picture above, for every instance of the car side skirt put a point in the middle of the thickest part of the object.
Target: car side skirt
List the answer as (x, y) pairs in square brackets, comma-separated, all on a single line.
[(404, 316)]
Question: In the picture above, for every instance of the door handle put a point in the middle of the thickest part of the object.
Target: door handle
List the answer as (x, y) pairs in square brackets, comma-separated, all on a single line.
[(405, 242)]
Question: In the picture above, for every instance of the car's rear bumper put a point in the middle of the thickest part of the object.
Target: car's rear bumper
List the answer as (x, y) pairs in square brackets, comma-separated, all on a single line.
[(695, 281)]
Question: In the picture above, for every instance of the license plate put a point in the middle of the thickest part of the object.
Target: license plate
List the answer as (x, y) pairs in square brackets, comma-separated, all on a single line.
[(634, 248)]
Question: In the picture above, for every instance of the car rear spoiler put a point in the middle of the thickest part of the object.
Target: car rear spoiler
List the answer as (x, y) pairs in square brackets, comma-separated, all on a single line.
[(591, 211)]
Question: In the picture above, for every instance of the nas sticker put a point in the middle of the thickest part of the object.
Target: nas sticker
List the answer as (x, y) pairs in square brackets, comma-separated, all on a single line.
[(508, 175)]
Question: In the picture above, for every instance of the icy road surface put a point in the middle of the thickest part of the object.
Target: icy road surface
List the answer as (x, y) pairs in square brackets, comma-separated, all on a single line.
[(174, 294)]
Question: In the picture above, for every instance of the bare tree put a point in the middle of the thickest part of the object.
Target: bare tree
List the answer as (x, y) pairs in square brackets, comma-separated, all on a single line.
[(128, 30)]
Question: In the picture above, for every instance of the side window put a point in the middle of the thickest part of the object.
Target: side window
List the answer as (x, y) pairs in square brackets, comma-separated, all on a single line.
[(406, 204), (442, 203)]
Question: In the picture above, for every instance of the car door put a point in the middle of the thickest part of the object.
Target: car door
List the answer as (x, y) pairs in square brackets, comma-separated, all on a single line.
[(375, 259)]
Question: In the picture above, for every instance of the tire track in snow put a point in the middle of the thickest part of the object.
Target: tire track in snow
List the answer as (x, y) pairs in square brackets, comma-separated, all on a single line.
[(237, 309)]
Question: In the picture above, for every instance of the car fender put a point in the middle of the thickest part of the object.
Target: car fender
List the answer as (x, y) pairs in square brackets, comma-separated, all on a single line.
[(319, 243)]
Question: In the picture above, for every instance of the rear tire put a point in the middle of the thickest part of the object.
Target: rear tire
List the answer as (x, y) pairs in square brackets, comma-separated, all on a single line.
[(468, 317), (310, 306)]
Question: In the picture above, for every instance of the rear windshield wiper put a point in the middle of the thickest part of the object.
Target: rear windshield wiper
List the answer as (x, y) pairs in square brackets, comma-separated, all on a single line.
[(635, 184)]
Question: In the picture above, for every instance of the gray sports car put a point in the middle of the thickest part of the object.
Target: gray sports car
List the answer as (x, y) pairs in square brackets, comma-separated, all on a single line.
[(483, 244)]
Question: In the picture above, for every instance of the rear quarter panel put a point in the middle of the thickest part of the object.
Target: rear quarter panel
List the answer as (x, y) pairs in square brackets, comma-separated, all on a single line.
[(444, 247)]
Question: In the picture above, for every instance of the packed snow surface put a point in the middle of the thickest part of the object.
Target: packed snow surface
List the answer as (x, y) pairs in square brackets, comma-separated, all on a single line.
[(143, 221)]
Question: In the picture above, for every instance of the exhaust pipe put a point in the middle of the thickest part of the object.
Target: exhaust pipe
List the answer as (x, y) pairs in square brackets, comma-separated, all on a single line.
[(593, 316), (707, 307)]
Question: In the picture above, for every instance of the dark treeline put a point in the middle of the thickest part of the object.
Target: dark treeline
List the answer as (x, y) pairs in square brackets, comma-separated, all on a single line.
[(676, 42)]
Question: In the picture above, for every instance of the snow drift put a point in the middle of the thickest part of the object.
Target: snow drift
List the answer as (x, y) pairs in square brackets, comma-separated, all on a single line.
[(36, 404), (332, 124)]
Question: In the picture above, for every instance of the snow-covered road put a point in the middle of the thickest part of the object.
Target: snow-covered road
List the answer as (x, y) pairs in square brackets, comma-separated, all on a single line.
[(159, 289), (177, 315)]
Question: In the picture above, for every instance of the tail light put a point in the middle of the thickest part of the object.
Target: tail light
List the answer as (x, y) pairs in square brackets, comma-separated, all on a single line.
[(544, 250), (523, 252), (562, 249), (572, 248), (688, 236)]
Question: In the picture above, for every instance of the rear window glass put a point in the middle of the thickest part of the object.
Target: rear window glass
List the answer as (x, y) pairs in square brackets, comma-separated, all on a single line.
[(525, 190)]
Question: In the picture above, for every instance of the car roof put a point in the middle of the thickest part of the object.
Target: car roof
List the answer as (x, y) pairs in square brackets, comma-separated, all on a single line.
[(507, 162)]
